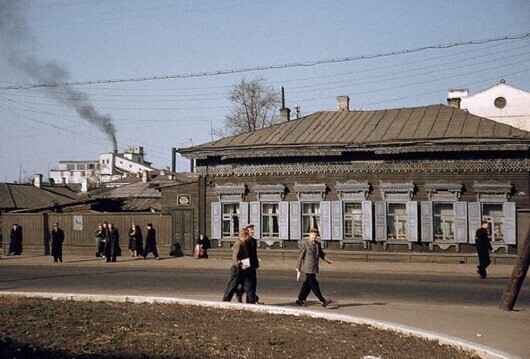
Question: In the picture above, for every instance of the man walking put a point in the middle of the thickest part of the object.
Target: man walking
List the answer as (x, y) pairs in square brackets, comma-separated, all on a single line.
[(240, 266), (483, 244), (308, 259), (251, 273)]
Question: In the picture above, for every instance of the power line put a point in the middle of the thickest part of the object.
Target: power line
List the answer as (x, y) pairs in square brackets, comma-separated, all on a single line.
[(271, 67)]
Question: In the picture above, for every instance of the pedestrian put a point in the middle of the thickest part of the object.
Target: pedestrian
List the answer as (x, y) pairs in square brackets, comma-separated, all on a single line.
[(15, 240), (251, 273), (112, 245), (240, 265), (57, 243), (483, 244), (150, 242), (100, 236), (201, 249), (135, 240), (308, 259)]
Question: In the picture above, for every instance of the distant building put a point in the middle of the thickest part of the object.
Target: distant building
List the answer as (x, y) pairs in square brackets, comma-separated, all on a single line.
[(502, 103), (110, 166)]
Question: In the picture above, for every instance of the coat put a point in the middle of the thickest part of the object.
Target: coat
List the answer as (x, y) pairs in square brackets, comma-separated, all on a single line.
[(15, 241), (308, 257), (112, 247), (57, 242), (150, 240), (482, 242)]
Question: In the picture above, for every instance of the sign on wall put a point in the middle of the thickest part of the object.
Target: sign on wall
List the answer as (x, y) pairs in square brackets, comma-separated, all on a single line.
[(78, 223), (184, 199)]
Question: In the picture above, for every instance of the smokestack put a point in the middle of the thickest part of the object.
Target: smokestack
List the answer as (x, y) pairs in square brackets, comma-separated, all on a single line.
[(343, 103), (173, 159), (37, 180), (113, 162), (192, 165), (285, 113)]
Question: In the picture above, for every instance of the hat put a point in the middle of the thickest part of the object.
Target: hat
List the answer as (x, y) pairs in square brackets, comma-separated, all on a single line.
[(314, 230), (249, 226)]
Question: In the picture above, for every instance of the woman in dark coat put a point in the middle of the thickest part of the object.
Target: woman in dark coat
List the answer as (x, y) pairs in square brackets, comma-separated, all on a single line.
[(136, 240), (201, 249), (57, 243), (15, 240), (150, 242)]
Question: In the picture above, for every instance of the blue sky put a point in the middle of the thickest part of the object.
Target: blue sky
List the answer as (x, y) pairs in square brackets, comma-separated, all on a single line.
[(124, 39)]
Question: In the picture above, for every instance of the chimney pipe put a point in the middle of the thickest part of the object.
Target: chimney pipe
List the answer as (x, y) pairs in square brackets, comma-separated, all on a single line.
[(343, 103), (192, 165), (145, 176), (285, 113), (454, 97), (84, 185)]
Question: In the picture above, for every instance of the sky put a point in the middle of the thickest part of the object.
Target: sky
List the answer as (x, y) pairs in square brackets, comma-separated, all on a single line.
[(316, 50)]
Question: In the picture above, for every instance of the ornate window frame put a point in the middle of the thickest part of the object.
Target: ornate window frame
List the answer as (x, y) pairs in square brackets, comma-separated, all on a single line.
[(230, 192), (310, 192), (270, 192), (397, 191), (353, 190), (444, 191), (493, 191)]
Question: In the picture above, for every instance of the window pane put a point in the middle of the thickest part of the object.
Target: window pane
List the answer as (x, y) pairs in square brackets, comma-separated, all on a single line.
[(493, 212), (397, 221), (444, 221)]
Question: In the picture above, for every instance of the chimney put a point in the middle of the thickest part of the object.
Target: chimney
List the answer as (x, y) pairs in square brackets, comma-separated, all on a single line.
[(145, 176), (52, 182), (173, 159), (162, 172), (343, 103), (63, 180), (192, 165), (84, 185), (37, 180), (454, 97), (285, 113)]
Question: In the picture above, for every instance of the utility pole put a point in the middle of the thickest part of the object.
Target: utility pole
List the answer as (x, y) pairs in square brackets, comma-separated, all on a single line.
[(518, 275)]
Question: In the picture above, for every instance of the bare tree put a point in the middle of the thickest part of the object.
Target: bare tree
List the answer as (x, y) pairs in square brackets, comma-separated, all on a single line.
[(255, 106)]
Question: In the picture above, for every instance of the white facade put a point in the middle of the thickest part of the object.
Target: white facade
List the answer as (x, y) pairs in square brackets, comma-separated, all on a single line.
[(501, 103), (110, 166)]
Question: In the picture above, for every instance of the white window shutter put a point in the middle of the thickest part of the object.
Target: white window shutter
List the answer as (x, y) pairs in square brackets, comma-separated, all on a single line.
[(325, 217), (367, 221), (380, 221), (426, 222), (510, 234), (295, 219), (284, 220), (243, 214), (412, 221), (473, 210), (255, 218), (216, 219), (461, 222), (336, 220)]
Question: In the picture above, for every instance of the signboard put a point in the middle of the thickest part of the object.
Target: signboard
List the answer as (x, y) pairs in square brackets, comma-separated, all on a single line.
[(184, 199), (78, 223)]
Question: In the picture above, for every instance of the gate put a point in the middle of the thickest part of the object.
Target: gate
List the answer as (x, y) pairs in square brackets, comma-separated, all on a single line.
[(183, 232)]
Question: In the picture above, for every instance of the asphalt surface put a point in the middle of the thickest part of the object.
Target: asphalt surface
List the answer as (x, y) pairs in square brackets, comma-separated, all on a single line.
[(448, 299)]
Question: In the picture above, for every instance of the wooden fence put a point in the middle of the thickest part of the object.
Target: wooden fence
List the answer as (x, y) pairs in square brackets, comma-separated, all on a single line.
[(79, 229)]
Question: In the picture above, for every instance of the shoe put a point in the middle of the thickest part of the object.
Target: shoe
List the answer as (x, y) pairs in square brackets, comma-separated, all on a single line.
[(482, 275), (300, 303), (325, 303), (239, 298)]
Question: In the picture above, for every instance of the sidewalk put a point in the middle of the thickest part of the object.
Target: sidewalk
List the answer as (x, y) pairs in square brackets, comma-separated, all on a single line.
[(485, 326)]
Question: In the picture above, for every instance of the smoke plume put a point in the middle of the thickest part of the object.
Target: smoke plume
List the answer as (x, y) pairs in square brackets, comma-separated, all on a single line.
[(14, 47)]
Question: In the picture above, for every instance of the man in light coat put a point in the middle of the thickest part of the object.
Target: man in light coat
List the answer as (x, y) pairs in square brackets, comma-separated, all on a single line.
[(308, 259)]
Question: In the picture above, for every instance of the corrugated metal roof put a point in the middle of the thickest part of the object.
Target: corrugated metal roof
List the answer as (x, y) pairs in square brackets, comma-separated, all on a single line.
[(367, 128)]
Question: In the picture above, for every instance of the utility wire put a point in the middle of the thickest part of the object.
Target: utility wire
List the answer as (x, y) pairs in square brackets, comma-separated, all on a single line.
[(271, 67)]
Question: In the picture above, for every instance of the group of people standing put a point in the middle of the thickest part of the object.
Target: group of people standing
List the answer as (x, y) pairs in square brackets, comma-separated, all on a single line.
[(245, 263), (107, 239)]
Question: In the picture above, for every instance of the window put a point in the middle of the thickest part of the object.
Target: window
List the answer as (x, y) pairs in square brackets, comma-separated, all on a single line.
[(230, 224), (310, 217), (270, 220), (353, 216), (493, 213), (397, 221), (500, 102), (444, 222)]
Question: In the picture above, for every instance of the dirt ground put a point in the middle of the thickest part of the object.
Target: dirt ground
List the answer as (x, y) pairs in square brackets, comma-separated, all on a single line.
[(41, 328)]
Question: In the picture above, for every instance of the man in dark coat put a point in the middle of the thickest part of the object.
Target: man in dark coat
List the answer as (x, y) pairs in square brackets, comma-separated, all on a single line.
[(240, 265), (483, 244), (15, 240), (251, 273), (150, 242), (112, 246), (57, 243), (308, 258)]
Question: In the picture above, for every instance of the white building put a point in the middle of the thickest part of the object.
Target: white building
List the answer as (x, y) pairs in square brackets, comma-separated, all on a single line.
[(502, 103), (110, 166)]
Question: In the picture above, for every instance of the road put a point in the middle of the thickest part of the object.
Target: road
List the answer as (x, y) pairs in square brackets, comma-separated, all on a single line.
[(448, 299)]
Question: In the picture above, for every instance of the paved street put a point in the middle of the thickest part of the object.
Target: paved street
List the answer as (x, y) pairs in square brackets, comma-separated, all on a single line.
[(448, 299)]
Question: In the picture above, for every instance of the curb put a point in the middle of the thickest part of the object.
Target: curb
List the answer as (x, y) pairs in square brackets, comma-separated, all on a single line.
[(483, 351)]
